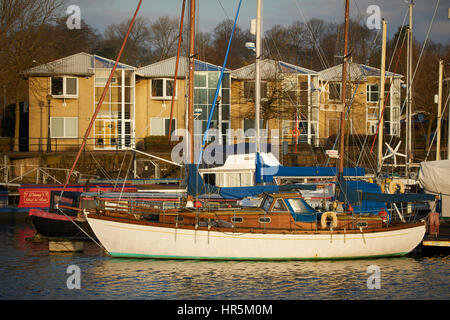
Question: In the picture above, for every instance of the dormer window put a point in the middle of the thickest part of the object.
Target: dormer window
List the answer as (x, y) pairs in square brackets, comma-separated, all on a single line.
[(64, 87), (162, 89)]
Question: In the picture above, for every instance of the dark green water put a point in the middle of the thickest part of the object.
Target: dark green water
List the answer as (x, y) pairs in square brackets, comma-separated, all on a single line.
[(29, 271)]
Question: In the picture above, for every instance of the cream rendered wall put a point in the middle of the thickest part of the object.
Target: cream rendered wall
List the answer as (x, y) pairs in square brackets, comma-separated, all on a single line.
[(81, 107), (148, 107)]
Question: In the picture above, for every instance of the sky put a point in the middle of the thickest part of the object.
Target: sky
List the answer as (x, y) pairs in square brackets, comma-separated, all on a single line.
[(101, 13)]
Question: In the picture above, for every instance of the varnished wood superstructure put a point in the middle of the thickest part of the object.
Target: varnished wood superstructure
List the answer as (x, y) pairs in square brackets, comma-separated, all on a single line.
[(254, 220)]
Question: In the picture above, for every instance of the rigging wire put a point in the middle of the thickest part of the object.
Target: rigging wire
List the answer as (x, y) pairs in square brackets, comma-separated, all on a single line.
[(435, 132), (418, 61)]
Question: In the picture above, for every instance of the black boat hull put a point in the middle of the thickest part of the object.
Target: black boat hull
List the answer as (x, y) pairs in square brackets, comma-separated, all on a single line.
[(69, 228)]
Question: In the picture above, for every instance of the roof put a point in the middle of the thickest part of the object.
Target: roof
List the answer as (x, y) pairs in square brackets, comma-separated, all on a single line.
[(358, 72), (166, 68), (269, 69), (285, 195), (78, 64)]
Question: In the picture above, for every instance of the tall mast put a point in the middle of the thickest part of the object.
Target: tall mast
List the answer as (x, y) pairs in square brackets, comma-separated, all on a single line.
[(438, 141), (381, 100), (191, 80), (409, 91), (180, 38), (343, 91), (258, 75)]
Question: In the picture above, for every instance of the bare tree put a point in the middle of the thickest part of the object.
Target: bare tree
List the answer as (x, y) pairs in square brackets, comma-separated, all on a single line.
[(164, 36), (22, 23), (239, 55), (138, 48)]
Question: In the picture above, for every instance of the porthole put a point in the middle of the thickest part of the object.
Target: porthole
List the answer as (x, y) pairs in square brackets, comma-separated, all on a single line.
[(362, 224), (237, 219), (264, 220)]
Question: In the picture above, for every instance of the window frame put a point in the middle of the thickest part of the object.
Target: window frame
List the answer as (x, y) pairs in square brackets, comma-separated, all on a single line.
[(370, 92), (164, 125), (165, 96), (249, 87), (64, 128), (267, 220), (65, 95), (233, 220), (338, 99)]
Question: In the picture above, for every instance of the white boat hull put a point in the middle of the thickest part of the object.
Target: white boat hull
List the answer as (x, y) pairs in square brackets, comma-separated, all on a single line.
[(122, 239)]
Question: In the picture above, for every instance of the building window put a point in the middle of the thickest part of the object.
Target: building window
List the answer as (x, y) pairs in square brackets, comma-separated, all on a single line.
[(64, 87), (162, 89), (334, 93), (372, 93), (160, 126), (249, 124), (64, 127), (205, 86), (307, 131), (249, 90)]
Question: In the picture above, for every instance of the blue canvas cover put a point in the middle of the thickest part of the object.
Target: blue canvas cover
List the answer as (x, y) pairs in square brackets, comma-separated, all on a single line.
[(316, 171), (367, 197), (304, 213), (242, 192), (196, 187), (195, 184)]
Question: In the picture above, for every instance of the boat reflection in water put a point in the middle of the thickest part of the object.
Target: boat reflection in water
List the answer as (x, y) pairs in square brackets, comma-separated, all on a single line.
[(401, 278)]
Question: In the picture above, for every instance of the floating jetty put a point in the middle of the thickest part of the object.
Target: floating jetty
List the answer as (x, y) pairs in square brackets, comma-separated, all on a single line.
[(439, 242)]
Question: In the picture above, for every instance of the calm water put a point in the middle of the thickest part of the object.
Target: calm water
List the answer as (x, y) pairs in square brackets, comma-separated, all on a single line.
[(28, 271)]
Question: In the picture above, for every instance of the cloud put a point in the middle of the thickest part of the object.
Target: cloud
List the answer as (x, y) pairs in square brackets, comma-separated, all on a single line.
[(101, 13)]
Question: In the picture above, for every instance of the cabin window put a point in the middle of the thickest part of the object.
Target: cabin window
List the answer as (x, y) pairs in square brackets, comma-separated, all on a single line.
[(267, 203), (64, 87), (162, 89), (237, 219), (298, 205), (210, 178), (362, 224), (88, 204), (179, 219), (279, 206), (264, 220)]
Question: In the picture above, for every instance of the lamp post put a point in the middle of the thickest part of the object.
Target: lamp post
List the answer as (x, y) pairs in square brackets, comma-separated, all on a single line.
[(49, 142)]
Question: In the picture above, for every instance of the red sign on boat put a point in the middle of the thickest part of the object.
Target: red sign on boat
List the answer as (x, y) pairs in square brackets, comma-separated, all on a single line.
[(38, 196), (35, 198)]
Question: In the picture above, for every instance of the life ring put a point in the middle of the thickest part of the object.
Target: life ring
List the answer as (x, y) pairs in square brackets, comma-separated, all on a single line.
[(325, 215), (394, 184)]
